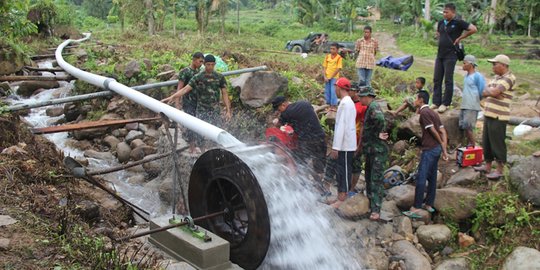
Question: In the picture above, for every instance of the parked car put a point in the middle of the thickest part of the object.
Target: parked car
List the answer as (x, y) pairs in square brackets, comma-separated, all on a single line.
[(319, 42)]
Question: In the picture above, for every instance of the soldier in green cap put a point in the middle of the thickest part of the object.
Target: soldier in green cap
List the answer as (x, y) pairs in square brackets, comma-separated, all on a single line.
[(207, 86), (374, 149)]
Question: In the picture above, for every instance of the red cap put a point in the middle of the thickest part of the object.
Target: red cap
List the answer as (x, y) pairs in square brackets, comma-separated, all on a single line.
[(343, 83)]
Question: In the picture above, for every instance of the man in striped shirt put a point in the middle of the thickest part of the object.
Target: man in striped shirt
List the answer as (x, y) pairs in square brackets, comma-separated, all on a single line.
[(499, 93)]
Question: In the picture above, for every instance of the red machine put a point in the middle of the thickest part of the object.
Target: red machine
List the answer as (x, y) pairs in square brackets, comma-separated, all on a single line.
[(284, 136), (469, 156)]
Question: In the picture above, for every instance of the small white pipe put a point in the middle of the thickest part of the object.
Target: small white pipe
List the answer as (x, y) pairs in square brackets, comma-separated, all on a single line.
[(198, 126)]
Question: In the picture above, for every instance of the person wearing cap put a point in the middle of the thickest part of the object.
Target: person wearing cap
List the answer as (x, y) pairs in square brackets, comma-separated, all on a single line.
[(311, 144), (374, 149), (344, 143), (189, 100), (450, 32), (207, 86), (433, 142), (473, 86), (499, 93)]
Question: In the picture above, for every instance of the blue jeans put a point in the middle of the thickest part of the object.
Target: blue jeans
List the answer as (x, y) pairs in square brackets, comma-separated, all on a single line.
[(330, 92), (364, 75), (427, 171)]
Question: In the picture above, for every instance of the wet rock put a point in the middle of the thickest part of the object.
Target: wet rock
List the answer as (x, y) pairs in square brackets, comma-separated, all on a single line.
[(403, 225), (403, 195), (165, 190), (454, 264), (111, 142), (123, 152), (455, 202), (89, 134), (464, 176), (447, 251), (142, 151), (143, 127), (258, 88), (133, 68), (27, 88), (133, 134), (88, 210), (165, 76), (5, 89), (10, 60), (522, 258), (6, 220), (413, 259), (400, 147), (132, 126), (152, 133), (375, 258), (54, 111), (153, 168), (4, 244), (434, 237), (137, 179), (71, 112), (82, 160), (450, 120), (136, 143), (98, 155), (525, 176), (354, 207)]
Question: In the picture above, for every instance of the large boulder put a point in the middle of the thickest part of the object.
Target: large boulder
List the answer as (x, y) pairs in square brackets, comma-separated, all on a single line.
[(354, 207), (133, 68), (403, 195), (450, 120), (375, 258), (525, 176), (454, 264), (111, 142), (456, 203), (522, 258), (434, 237), (259, 88), (27, 88), (464, 176), (412, 257)]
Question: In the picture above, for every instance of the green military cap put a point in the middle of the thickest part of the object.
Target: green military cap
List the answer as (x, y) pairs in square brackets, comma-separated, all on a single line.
[(366, 91)]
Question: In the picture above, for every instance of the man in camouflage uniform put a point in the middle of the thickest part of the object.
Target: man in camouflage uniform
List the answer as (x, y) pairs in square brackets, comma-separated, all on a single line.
[(189, 101), (374, 149), (207, 86)]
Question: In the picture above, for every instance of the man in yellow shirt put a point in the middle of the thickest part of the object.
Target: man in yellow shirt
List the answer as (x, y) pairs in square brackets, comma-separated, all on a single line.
[(332, 65)]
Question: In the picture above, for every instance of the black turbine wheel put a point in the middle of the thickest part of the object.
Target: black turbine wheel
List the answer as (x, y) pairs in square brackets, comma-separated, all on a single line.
[(220, 181)]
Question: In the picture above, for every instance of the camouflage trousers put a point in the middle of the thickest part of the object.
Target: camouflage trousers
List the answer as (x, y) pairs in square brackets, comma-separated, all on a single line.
[(375, 165)]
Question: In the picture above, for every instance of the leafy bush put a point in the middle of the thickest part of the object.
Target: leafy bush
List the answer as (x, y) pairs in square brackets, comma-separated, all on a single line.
[(270, 29)]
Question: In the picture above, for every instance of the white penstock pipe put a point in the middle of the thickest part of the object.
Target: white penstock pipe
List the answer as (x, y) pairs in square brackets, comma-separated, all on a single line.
[(202, 128)]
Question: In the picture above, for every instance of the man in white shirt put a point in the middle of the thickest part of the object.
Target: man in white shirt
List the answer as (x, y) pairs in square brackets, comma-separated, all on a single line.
[(344, 144)]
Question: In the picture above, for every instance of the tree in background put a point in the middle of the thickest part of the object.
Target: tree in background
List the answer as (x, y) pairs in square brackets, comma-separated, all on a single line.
[(97, 8), (13, 22)]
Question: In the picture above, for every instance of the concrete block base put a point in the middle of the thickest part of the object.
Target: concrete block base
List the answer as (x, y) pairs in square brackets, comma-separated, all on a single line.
[(182, 245)]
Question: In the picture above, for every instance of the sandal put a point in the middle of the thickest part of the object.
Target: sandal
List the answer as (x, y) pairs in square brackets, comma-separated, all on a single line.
[(375, 216), (494, 176), (480, 168), (411, 214), (428, 208)]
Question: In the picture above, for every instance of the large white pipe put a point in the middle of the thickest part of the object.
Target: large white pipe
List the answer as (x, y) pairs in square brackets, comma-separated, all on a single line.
[(202, 128)]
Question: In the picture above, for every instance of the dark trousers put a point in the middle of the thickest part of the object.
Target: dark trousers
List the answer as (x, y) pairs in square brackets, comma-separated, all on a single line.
[(314, 149), (427, 172), (493, 137), (375, 165), (344, 170), (444, 67)]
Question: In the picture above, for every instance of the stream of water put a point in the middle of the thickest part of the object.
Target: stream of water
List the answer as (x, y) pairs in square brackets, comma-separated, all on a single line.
[(304, 233)]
